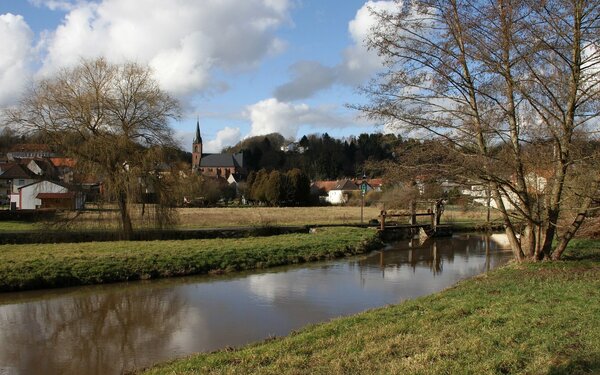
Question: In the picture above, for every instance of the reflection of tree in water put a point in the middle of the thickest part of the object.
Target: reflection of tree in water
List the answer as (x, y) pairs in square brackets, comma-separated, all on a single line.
[(432, 252), (104, 333)]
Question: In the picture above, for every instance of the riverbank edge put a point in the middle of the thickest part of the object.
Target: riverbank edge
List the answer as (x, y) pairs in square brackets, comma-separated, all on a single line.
[(538, 318), (42, 266), (74, 236)]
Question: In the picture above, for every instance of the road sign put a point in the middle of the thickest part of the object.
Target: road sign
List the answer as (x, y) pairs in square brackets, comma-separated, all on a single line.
[(363, 187)]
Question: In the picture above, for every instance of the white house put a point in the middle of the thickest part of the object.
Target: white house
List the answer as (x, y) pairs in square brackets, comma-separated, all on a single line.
[(47, 194), (342, 191), (479, 192)]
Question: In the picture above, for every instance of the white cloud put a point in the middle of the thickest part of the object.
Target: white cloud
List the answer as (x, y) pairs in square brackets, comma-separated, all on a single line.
[(15, 44), (64, 5), (225, 137), (273, 116), (358, 63), (183, 40)]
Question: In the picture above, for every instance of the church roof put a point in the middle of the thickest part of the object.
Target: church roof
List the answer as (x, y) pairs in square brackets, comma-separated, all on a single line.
[(222, 160), (197, 138)]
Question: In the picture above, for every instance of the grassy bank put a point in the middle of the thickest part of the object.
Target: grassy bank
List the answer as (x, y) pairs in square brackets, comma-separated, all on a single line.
[(17, 226), (56, 265), (533, 318)]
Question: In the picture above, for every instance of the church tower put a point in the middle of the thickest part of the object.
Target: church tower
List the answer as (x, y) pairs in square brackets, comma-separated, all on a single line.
[(197, 149)]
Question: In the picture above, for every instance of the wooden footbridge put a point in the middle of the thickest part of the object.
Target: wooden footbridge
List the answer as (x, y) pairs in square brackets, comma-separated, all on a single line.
[(430, 228)]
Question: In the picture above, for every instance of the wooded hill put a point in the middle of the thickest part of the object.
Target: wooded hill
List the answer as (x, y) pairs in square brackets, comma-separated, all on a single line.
[(320, 156)]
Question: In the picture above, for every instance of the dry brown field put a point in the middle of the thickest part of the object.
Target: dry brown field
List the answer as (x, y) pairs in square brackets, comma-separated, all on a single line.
[(265, 216), (215, 217)]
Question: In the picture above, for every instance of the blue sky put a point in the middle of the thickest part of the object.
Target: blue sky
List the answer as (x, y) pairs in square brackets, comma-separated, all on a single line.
[(244, 67)]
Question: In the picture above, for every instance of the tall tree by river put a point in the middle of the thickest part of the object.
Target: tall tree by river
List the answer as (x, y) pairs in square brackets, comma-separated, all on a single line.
[(511, 88), (112, 119)]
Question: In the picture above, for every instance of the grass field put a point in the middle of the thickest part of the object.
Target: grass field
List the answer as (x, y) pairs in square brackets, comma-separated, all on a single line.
[(261, 216), (57, 265), (540, 318), (17, 226), (190, 218)]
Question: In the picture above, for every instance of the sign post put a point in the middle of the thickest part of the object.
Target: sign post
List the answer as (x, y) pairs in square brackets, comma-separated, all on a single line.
[(363, 192)]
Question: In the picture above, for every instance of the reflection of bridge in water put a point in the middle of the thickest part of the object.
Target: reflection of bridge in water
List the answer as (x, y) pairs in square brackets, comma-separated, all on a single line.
[(434, 252)]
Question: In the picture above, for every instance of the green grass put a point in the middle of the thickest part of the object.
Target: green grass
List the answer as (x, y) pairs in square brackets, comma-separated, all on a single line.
[(56, 265), (15, 226), (541, 318)]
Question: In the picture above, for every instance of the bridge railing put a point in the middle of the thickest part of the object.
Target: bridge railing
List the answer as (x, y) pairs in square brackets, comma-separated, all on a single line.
[(412, 218)]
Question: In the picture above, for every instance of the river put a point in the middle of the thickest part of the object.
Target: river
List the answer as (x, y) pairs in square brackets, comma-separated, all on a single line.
[(109, 329)]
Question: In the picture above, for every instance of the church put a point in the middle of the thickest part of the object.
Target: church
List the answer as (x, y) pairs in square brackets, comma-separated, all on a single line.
[(227, 166)]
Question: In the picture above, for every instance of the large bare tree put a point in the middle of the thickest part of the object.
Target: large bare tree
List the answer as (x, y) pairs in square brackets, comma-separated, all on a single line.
[(111, 118), (512, 89)]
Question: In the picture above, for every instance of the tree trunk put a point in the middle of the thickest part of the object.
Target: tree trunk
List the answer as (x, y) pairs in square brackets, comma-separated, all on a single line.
[(515, 244), (566, 238), (125, 217), (570, 233)]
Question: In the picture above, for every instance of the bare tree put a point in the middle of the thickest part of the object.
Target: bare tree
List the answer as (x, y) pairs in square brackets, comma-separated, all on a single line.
[(113, 119), (507, 86)]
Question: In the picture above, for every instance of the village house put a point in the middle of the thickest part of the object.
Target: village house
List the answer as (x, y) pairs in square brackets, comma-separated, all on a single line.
[(38, 182), (227, 166), (536, 183), (12, 178), (340, 191), (47, 194), (65, 168), (29, 151)]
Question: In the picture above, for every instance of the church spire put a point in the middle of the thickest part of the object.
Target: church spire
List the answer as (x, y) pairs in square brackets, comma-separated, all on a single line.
[(198, 138), (197, 149)]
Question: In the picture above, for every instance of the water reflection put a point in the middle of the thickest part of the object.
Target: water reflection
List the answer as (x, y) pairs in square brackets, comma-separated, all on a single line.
[(110, 329), (434, 253), (103, 333)]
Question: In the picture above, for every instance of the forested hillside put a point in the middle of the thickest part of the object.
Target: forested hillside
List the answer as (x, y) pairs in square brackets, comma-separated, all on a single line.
[(319, 156)]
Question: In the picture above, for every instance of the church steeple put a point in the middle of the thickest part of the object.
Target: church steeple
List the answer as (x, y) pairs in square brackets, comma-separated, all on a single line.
[(197, 138), (197, 149)]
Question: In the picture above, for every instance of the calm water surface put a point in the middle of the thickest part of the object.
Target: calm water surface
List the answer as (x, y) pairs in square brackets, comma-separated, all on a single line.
[(114, 328)]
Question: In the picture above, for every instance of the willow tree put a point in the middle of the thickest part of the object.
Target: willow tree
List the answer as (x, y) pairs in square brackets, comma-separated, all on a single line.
[(112, 119), (511, 88)]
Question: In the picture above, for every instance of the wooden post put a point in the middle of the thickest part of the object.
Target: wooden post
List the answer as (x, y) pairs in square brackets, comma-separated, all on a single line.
[(382, 216), (432, 216), (413, 217)]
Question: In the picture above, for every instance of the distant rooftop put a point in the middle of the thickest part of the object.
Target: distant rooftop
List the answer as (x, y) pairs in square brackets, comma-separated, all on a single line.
[(30, 147), (222, 160)]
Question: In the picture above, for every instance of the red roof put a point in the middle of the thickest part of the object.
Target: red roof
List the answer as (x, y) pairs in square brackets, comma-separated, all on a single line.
[(375, 182), (68, 195), (63, 162)]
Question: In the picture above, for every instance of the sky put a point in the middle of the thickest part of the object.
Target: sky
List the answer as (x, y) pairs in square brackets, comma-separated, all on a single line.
[(242, 67)]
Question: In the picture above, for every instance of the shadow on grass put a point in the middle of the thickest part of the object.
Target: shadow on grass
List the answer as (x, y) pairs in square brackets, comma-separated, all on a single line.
[(576, 366), (582, 254)]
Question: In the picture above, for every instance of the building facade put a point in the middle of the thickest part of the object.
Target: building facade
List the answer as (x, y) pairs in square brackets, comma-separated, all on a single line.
[(216, 165)]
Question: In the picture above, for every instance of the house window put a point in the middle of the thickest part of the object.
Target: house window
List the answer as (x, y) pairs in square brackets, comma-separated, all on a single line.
[(21, 182)]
